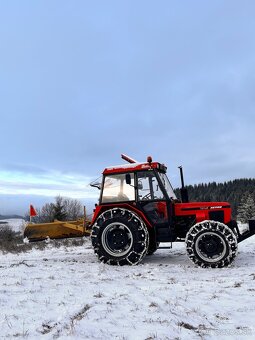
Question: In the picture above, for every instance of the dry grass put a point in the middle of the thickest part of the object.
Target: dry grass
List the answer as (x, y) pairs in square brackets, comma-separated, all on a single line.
[(12, 242), (186, 325)]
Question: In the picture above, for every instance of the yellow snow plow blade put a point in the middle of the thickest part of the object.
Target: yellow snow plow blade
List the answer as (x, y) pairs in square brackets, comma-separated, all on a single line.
[(56, 229)]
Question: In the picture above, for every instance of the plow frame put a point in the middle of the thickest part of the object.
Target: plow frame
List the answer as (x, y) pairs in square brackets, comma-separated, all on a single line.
[(57, 230)]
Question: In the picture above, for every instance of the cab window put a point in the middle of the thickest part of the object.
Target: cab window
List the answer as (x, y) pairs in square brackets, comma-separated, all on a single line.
[(148, 186), (117, 190)]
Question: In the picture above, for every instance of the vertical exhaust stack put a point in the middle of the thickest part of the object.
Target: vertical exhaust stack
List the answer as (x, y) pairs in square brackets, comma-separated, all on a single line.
[(184, 191)]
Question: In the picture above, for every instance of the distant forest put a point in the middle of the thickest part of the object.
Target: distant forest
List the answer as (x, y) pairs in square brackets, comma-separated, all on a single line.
[(231, 191)]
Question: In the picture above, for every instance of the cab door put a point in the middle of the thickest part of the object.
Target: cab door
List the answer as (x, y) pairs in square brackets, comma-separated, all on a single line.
[(151, 198)]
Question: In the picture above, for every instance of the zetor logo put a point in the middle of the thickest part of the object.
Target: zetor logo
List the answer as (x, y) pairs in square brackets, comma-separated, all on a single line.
[(216, 207)]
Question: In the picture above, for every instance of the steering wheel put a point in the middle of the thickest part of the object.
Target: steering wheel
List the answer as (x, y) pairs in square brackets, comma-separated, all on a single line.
[(146, 197)]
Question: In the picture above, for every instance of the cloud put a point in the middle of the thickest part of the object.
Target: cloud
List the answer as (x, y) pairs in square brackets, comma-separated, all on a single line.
[(171, 80), (49, 184)]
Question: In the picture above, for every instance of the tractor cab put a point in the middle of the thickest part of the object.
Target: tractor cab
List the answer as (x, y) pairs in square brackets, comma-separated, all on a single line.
[(138, 183), (142, 187)]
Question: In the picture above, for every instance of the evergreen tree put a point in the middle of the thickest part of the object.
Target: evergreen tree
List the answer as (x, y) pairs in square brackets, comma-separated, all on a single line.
[(59, 209), (246, 209)]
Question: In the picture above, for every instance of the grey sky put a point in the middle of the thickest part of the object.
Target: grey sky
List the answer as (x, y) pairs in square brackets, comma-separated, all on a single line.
[(83, 81)]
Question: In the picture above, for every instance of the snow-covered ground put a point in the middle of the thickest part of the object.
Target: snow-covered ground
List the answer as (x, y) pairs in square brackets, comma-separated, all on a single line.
[(66, 293)]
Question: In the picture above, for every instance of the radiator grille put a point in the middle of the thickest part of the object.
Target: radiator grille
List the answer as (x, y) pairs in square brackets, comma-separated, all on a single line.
[(217, 216)]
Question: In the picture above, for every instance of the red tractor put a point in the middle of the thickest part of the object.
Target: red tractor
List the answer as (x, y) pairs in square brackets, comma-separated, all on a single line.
[(138, 210)]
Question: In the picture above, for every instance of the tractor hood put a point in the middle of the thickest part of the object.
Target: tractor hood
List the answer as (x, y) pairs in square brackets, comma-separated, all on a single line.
[(218, 211)]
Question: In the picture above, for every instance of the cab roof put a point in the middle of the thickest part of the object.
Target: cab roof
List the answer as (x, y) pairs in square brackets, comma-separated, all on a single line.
[(133, 167)]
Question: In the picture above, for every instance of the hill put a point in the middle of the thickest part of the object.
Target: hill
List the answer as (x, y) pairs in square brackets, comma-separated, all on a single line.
[(5, 217)]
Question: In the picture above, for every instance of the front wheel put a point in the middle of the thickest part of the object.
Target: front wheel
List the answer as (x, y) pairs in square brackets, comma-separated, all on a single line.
[(120, 237), (211, 244)]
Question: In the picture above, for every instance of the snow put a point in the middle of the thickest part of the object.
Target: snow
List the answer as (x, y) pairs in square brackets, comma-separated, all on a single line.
[(65, 293), (16, 224), (126, 166)]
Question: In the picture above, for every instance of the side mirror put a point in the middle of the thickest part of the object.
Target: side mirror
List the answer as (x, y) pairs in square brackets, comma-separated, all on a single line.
[(128, 179), (140, 185)]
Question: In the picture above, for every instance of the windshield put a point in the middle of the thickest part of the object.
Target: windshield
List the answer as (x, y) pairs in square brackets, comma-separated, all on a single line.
[(167, 185)]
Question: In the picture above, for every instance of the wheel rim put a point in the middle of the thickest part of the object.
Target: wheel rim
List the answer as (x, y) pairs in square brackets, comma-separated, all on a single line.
[(117, 239), (210, 247)]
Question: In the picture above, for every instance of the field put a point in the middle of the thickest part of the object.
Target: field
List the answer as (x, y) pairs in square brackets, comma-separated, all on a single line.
[(64, 292)]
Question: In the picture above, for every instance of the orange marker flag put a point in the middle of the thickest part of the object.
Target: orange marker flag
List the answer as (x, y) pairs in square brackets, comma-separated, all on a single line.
[(32, 211)]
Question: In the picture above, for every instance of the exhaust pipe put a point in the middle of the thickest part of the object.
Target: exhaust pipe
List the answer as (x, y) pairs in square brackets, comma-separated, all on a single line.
[(184, 191)]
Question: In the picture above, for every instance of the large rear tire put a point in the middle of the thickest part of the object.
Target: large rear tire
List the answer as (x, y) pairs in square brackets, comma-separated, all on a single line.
[(153, 244), (211, 244), (153, 247), (120, 237)]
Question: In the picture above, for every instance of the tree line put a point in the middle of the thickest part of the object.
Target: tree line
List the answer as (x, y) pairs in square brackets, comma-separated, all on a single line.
[(240, 193), (62, 209)]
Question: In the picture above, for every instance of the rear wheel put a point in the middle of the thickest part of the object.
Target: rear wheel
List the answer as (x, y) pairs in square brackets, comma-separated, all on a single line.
[(153, 244), (119, 237), (211, 244)]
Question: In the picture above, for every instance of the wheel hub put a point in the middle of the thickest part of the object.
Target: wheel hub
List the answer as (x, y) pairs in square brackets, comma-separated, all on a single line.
[(210, 247), (117, 239)]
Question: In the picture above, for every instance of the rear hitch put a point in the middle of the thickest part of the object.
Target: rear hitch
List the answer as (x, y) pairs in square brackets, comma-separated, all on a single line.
[(249, 232)]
